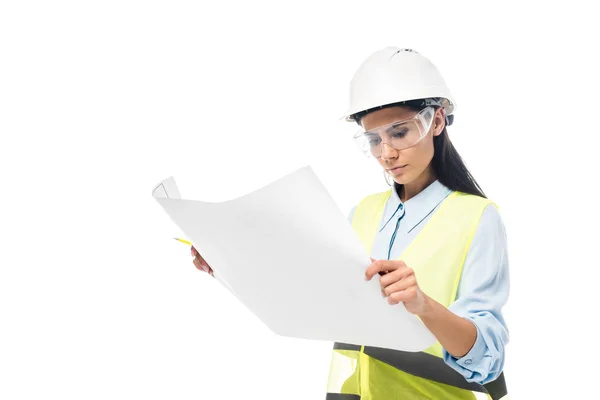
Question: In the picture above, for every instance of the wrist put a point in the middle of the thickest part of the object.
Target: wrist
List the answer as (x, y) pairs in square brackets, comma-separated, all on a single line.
[(428, 307)]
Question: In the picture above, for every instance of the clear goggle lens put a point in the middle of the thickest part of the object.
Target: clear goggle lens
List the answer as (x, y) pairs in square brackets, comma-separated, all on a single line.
[(398, 134)]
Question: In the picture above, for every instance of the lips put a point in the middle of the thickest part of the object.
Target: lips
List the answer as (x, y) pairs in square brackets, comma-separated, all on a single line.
[(397, 169)]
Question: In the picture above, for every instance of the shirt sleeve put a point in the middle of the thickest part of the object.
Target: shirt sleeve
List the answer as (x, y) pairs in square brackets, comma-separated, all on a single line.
[(482, 292)]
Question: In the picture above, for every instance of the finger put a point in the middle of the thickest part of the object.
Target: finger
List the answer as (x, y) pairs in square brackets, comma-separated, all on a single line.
[(197, 255), (201, 266), (382, 266), (401, 273), (401, 285), (397, 264), (380, 272), (197, 264), (375, 268), (405, 295)]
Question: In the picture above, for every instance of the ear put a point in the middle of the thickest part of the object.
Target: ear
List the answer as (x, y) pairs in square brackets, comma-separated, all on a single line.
[(439, 121)]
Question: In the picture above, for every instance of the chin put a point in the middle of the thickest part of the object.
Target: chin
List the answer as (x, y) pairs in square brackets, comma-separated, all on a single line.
[(401, 179), (405, 180)]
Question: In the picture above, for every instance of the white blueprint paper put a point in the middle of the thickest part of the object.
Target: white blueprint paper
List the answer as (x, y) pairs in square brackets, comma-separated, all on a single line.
[(289, 255)]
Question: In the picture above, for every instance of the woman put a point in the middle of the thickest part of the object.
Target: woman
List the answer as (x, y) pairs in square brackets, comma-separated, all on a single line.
[(437, 244)]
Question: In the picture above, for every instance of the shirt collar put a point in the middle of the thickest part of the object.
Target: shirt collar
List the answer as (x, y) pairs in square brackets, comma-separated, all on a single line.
[(417, 208)]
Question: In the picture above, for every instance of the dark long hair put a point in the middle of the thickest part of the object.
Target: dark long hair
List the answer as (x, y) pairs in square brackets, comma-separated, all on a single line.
[(448, 165)]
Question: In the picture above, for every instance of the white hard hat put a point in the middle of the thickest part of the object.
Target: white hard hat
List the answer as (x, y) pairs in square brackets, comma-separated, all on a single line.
[(393, 75)]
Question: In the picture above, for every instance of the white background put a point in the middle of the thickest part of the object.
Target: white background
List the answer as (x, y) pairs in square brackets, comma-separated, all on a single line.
[(99, 101)]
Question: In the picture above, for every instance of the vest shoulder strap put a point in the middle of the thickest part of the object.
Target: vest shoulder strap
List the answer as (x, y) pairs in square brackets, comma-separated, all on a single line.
[(367, 216), (438, 252)]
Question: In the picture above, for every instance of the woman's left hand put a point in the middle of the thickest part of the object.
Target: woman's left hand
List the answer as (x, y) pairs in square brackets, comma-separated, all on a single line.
[(399, 284)]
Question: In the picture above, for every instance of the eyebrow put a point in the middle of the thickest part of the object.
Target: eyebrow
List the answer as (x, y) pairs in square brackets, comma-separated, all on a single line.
[(388, 130)]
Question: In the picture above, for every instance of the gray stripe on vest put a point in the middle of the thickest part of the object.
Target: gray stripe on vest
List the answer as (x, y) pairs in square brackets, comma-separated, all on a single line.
[(346, 346), (430, 367), (497, 388), (342, 396), (423, 365)]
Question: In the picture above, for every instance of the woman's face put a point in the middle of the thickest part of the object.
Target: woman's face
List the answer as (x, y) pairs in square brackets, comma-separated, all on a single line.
[(405, 165)]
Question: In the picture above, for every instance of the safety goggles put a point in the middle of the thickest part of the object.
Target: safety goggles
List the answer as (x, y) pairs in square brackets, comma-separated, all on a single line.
[(399, 135)]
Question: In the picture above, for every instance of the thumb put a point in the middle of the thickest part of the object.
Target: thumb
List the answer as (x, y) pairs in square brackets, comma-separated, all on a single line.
[(372, 259)]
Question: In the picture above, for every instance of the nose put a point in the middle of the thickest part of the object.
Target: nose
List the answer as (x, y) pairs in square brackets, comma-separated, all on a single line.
[(388, 151)]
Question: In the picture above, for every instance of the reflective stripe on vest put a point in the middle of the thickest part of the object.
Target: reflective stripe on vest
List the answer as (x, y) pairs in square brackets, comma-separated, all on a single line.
[(342, 396), (437, 256)]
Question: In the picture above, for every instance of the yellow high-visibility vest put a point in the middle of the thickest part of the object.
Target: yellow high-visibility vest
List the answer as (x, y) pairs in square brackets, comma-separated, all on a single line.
[(437, 256)]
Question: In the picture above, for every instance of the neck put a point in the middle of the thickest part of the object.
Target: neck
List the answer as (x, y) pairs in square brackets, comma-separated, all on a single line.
[(413, 188)]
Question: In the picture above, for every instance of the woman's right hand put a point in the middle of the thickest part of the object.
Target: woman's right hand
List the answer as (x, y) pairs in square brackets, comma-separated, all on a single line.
[(200, 263)]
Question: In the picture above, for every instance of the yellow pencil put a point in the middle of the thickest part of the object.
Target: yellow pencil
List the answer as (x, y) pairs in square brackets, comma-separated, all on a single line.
[(183, 241)]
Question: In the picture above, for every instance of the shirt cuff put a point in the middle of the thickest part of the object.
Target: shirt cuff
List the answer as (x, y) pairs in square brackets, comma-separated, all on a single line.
[(476, 354)]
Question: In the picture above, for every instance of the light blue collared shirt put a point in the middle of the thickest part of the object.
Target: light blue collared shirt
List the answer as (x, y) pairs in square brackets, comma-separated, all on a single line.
[(484, 284)]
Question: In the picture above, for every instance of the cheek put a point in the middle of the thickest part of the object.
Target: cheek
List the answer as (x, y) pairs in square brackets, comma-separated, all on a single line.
[(423, 152)]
